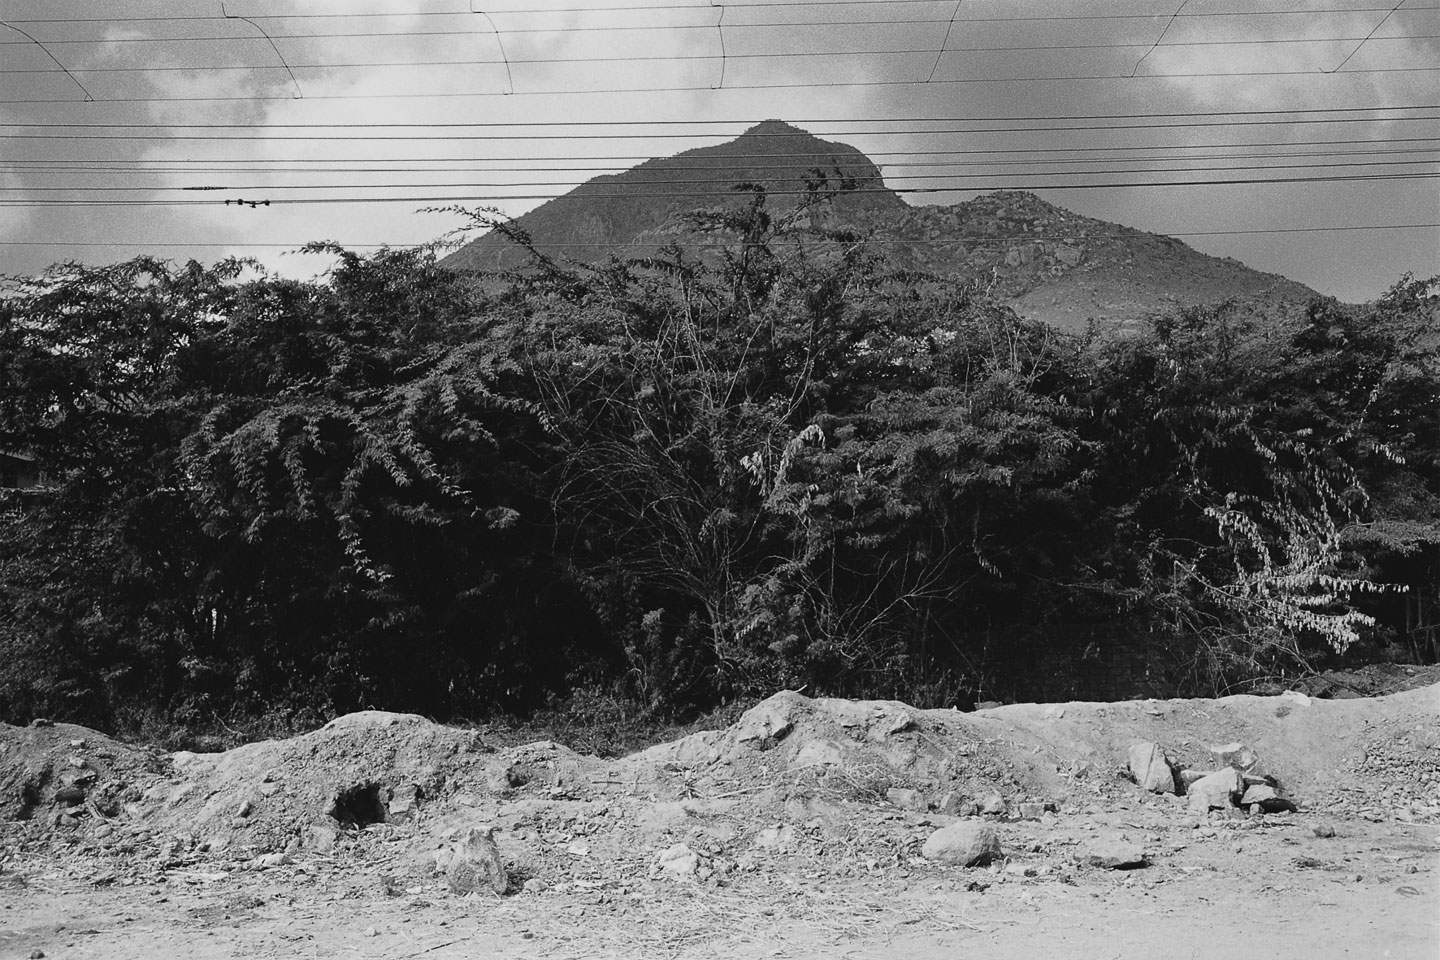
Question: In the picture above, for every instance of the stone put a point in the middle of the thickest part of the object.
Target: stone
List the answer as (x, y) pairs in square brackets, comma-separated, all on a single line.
[(1216, 791), (70, 795), (536, 885), (967, 844), (322, 839), (993, 804), (1266, 797), (401, 809), (1323, 830), (1236, 755), (1030, 811), (906, 798), (1151, 768), (476, 865), (678, 862), (819, 753), (1112, 853), (772, 838), (246, 808)]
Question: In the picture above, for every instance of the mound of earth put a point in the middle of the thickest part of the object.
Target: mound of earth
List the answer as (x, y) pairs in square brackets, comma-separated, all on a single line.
[(809, 822)]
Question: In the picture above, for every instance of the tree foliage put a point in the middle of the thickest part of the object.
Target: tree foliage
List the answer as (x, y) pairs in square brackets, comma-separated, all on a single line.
[(681, 479)]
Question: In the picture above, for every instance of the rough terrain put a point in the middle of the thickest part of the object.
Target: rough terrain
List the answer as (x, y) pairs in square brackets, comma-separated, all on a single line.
[(800, 831)]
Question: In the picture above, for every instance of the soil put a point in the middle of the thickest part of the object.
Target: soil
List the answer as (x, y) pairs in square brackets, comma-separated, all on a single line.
[(796, 832)]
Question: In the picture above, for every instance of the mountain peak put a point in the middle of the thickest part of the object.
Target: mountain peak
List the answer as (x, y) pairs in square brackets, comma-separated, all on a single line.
[(775, 128)]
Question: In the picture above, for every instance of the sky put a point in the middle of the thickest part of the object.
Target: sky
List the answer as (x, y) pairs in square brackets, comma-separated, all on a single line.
[(126, 127)]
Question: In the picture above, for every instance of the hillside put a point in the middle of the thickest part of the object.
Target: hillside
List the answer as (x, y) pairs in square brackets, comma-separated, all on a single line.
[(1048, 263)]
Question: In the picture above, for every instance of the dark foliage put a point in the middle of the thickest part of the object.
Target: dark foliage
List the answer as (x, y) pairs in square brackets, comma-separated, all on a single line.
[(675, 482)]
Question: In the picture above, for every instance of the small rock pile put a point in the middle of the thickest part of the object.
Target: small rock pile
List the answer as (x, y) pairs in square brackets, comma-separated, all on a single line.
[(1397, 774), (1238, 780)]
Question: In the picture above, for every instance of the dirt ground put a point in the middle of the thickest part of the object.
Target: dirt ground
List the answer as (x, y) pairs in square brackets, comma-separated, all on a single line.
[(802, 829)]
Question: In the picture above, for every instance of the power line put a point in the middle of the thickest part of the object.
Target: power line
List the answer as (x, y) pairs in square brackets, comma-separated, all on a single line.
[(676, 163), (1253, 112), (691, 7), (922, 241), (629, 28), (698, 88), (22, 168), (263, 133), (980, 188), (706, 57), (708, 181)]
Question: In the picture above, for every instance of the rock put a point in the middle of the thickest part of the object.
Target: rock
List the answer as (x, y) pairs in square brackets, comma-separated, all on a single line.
[(1151, 768), (271, 860), (957, 806), (993, 804), (70, 795), (322, 839), (770, 720), (965, 844), (907, 798), (1236, 755), (1323, 830), (536, 885), (771, 838), (476, 866), (818, 753), (42, 722), (402, 808), (246, 808), (1030, 811), (1266, 798), (1216, 791), (676, 863), (1015, 869), (1112, 853)]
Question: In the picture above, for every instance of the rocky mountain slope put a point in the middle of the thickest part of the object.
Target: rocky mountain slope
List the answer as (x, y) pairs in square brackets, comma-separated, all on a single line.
[(1050, 264)]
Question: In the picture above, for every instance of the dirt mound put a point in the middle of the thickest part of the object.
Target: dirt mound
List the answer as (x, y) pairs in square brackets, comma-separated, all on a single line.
[(358, 770), (61, 770), (789, 760)]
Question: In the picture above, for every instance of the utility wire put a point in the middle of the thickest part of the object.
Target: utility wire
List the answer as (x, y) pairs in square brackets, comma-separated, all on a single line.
[(688, 57), (797, 158), (1036, 118), (635, 28), (570, 137), (710, 181), (30, 167), (922, 241), (628, 195), (691, 7), (693, 88)]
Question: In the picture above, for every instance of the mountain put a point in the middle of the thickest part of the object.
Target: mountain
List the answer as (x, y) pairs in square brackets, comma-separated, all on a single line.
[(1046, 262)]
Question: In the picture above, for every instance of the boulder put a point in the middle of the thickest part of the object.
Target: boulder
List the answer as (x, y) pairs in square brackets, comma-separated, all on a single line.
[(1151, 768), (1112, 853), (1266, 797), (968, 844), (476, 866), (1218, 790), (993, 804)]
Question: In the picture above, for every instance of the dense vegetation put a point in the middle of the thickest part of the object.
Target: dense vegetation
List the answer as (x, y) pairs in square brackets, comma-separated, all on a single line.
[(671, 483)]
